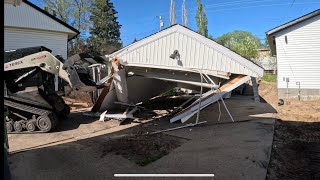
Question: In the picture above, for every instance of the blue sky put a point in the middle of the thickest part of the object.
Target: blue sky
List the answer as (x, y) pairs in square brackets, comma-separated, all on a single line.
[(139, 18)]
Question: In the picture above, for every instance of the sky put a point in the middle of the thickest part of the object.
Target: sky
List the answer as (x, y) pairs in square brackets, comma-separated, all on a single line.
[(140, 18)]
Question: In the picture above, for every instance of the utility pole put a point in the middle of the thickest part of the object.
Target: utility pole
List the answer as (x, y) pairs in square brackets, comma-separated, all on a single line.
[(184, 14), (172, 13), (161, 22)]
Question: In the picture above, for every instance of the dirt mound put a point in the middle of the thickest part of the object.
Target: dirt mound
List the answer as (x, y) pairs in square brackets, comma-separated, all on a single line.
[(292, 110)]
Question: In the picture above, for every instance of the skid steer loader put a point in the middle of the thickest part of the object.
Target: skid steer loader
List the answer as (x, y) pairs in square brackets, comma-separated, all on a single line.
[(30, 98)]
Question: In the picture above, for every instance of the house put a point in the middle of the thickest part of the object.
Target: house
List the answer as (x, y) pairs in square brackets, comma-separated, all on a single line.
[(296, 45), (266, 60), (27, 25)]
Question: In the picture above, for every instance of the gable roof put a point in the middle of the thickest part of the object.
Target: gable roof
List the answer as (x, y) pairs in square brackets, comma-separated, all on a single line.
[(195, 51), (19, 16), (287, 25), (293, 22), (52, 17)]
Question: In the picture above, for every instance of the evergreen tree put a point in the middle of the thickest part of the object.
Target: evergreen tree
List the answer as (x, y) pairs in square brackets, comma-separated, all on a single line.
[(105, 30), (201, 18)]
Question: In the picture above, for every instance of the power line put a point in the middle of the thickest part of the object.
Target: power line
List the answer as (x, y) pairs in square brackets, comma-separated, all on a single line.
[(265, 5), (287, 12), (236, 3)]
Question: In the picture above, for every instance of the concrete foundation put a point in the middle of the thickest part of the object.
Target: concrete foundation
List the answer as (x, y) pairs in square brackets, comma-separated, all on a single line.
[(305, 94)]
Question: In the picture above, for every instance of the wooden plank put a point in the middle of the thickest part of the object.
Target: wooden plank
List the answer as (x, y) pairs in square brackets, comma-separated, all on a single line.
[(209, 98)]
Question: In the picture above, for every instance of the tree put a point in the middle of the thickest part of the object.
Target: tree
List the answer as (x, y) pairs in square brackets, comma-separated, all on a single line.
[(74, 12), (266, 44), (105, 30), (247, 48), (46, 8), (201, 18), (242, 42), (62, 9)]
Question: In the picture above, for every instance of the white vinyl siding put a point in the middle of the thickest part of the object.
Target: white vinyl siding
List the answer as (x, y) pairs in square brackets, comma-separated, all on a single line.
[(299, 58), (22, 38), (196, 52), (25, 16)]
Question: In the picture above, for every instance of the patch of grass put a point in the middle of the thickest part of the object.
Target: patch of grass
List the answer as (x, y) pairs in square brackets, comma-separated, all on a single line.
[(148, 159), (269, 77)]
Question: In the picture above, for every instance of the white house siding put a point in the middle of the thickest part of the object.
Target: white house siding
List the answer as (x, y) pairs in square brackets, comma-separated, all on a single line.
[(25, 16), (299, 58), (15, 38), (196, 52)]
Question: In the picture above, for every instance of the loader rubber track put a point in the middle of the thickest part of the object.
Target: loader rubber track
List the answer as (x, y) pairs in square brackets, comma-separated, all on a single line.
[(44, 117)]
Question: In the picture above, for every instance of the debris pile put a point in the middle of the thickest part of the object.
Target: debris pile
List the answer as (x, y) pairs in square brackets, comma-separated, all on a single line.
[(175, 58)]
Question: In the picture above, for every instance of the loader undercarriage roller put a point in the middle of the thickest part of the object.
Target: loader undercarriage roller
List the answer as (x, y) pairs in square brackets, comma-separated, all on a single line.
[(9, 126), (35, 119), (30, 126), (17, 126)]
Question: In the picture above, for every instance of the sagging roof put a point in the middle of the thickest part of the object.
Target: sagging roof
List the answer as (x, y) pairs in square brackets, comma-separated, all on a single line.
[(76, 32), (287, 25), (195, 52)]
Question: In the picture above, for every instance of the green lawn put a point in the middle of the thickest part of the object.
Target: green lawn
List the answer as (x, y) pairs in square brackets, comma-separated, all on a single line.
[(269, 77)]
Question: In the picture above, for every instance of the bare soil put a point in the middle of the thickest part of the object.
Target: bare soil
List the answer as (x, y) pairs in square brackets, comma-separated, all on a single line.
[(296, 144), (292, 110), (296, 151), (142, 149)]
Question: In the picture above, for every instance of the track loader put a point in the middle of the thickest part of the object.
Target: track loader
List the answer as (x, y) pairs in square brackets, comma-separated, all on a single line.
[(30, 97)]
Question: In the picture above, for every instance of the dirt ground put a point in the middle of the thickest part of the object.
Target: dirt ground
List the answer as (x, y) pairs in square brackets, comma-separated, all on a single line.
[(83, 146), (296, 144), (295, 151), (292, 110), (142, 149)]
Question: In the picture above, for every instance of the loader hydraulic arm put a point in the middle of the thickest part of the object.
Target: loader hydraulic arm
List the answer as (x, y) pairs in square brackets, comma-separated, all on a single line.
[(44, 60), (50, 64)]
